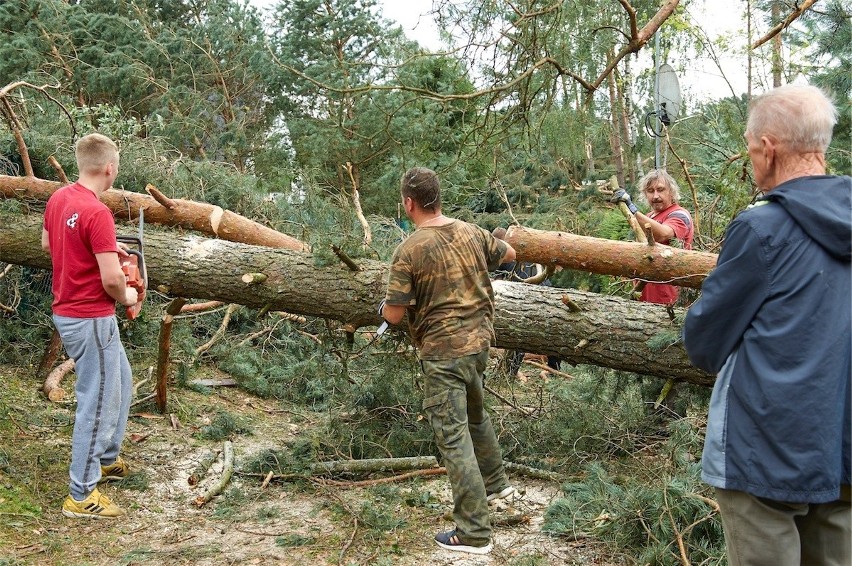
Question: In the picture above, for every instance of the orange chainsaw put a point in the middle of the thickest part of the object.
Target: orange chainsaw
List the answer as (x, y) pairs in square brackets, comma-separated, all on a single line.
[(133, 267)]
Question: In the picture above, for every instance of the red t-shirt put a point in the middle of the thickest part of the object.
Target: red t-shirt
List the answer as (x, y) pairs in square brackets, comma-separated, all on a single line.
[(681, 222), (79, 226)]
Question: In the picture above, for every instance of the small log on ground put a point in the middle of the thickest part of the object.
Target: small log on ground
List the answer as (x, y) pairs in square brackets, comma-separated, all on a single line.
[(371, 465), (51, 386), (392, 479), (531, 472)]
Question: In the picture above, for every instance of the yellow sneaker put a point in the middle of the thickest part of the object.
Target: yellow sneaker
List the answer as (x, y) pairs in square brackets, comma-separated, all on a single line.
[(96, 506), (118, 470)]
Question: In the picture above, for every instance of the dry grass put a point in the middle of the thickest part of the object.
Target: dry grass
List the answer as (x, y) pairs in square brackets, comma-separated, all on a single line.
[(285, 523)]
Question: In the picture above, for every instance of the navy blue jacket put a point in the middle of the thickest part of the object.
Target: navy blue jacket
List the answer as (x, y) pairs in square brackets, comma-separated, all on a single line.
[(773, 321)]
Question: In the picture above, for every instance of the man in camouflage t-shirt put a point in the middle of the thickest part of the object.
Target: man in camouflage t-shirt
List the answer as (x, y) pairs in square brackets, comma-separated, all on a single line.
[(439, 275)]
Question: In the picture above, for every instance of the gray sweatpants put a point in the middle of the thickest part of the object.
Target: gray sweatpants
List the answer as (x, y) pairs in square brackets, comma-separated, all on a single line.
[(104, 387)]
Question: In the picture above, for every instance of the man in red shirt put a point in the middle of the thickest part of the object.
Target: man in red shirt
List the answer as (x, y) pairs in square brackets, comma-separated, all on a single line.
[(79, 235), (668, 222)]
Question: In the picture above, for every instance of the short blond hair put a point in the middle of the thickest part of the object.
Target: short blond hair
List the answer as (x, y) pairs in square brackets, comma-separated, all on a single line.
[(94, 152)]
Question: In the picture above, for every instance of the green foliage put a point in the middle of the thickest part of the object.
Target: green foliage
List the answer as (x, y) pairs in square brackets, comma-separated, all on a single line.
[(644, 514), (296, 459), (349, 84), (14, 502), (381, 412), (203, 110), (224, 425), (597, 415), (24, 333), (297, 374), (826, 41), (136, 481), (380, 516), (197, 79)]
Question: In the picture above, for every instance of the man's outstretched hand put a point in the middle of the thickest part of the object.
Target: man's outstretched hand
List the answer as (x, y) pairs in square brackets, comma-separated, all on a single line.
[(622, 196)]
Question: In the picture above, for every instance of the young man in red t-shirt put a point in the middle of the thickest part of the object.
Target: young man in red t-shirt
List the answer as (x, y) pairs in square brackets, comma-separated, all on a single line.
[(668, 222), (79, 235)]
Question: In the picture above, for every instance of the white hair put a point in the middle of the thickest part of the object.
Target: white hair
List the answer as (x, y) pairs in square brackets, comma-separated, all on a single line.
[(802, 116)]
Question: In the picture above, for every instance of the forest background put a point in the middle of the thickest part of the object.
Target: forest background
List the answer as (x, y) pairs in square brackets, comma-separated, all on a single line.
[(278, 114)]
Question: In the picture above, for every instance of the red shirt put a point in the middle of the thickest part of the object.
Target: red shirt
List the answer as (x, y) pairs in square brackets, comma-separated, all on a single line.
[(681, 222), (79, 226)]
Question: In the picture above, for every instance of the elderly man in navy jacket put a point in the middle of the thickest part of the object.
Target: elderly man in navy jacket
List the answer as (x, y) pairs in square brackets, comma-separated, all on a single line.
[(773, 322)]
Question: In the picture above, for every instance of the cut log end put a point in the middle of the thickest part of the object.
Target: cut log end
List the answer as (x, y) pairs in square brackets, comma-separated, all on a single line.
[(56, 394), (51, 386)]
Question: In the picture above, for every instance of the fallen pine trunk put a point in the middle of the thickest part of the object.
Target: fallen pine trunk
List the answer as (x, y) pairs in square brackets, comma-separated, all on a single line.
[(160, 209), (579, 327), (657, 263)]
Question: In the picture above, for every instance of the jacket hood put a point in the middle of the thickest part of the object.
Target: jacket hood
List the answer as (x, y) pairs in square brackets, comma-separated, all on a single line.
[(822, 206)]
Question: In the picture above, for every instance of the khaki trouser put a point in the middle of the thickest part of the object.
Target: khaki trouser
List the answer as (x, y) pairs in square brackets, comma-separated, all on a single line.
[(453, 403), (762, 532)]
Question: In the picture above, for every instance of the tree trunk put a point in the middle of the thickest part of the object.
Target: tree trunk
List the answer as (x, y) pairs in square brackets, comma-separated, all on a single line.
[(777, 62), (581, 328), (615, 140), (159, 209), (658, 263)]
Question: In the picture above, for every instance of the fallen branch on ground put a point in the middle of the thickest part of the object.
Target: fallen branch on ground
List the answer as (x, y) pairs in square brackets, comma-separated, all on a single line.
[(392, 479), (549, 369), (369, 465), (201, 500), (533, 472), (204, 465), (220, 332)]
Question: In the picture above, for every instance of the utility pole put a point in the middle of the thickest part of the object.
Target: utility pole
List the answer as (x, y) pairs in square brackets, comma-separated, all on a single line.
[(657, 123)]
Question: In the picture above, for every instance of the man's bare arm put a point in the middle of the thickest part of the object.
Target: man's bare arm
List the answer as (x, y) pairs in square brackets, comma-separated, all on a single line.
[(510, 254), (661, 232), (393, 313), (112, 278)]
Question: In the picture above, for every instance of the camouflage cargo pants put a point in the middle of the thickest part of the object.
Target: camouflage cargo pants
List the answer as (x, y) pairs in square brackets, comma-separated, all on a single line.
[(453, 403)]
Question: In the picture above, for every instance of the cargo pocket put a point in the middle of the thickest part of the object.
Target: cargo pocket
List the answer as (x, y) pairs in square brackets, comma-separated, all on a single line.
[(436, 408)]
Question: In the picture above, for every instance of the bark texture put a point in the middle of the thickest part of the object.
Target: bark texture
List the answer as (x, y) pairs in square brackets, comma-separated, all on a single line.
[(582, 328), (159, 209), (658, 263)]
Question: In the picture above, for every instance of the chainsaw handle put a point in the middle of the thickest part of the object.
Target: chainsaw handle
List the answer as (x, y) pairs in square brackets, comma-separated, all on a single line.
[(134, 275), (140, 261)]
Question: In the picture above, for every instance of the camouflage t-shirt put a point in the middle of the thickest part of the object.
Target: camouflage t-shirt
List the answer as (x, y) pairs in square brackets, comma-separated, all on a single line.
[(441, 274)]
